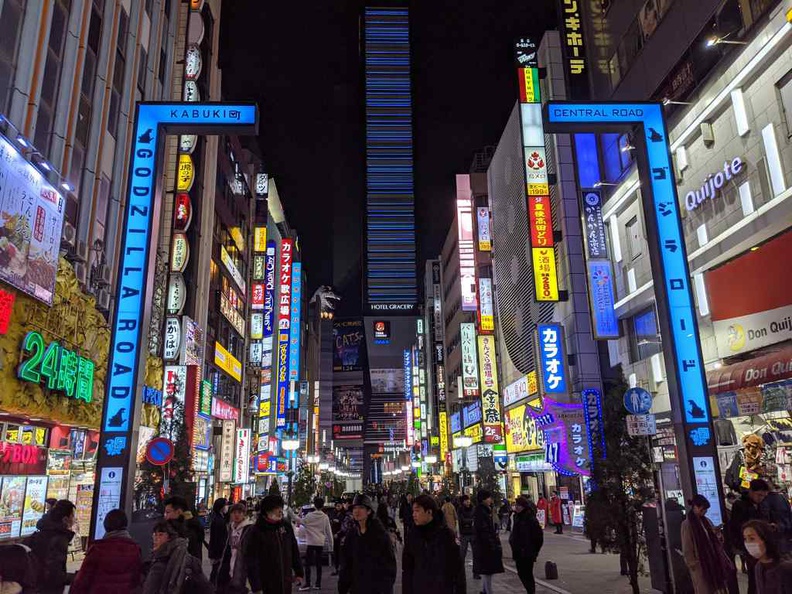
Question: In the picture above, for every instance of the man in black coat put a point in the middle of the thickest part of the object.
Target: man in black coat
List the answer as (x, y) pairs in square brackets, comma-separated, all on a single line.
[(431, 563), (368, 564), (526, 541), (487, 549), (218, 536), (50, 543), (272, 554), (190, 527)]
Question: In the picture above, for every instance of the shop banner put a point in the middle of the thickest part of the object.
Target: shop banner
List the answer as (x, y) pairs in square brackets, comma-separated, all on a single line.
[(522, 435), (592, 406), (753, 331), (192, 349), (35, 497), (227, 362), (490, 392), (269, 295), (295, 332), (521, 389), (284, 329), (594, 226), (565, 435), (467, 250), (174, 394), (242, 458), (347, 403), (470, 371), (227, 449), (552, 359), (602, 297), (484, 232), (486, 308), (347, 345), (443, 428), (31, 211), (471, 414)]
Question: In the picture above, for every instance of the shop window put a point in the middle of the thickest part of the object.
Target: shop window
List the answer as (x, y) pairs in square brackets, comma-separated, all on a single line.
[(644, 335), (52, 74), (142, 66), (634, 238), (10, 30), (616, 157), (785, 90)]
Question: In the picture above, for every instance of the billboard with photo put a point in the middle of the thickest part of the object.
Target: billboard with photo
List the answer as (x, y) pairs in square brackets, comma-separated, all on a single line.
[(347, 403), (348, 345)]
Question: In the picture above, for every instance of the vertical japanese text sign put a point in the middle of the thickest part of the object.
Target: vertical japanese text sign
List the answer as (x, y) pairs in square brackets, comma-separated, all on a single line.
[(679, 327), (153, 121), (537, 183)]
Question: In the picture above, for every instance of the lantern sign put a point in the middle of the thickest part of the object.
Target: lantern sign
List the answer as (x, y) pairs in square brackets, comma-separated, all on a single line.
[(191, 92), (193, 63), (177, 293), (186, 174), (187, 143), (172, 338), (180, 252), (262, 184), (183, 214)]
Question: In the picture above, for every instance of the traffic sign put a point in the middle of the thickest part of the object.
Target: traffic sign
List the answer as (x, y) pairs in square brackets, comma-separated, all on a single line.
[(637, 401), (641, 425), (159, 451)]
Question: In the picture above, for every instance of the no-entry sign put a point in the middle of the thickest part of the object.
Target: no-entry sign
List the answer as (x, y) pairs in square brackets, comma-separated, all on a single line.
[(159, 451)]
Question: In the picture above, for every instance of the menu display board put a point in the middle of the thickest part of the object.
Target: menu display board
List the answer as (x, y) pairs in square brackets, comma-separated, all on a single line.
[(35, 496), (12, 499)]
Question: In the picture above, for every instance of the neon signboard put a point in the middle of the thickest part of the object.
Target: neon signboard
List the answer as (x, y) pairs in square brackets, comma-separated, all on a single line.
[(552, 358), (537, 183), (681, 342), (295, 333), (284, 328), (269, 288), (58, 368), (135, 273), (467, 248)]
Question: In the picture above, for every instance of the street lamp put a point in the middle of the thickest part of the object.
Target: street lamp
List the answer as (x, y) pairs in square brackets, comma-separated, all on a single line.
[(715, 40)]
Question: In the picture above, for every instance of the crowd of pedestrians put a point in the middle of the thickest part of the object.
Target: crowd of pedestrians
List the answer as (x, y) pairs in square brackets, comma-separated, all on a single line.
[(252, 546)]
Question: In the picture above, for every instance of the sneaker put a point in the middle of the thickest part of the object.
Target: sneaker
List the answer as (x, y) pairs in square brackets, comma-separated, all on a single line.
[(304, 588)]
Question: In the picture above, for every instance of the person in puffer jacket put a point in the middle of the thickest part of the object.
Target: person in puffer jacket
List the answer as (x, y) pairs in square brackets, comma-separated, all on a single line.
[(318, 534), (113, 564)]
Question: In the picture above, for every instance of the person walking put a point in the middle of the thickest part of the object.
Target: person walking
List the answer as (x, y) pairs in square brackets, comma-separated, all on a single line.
[(744, 509), (405, 513), (232, 573), (450, 514), (487, 550), (772, 574), (336, 522), (368, 565), (176, 509), (113, 564), (272, 557), (703, 552), (172, 569), (390, 526), (50, 544), (466, 527), (526, 541), (504, 515), (431, 562), (218, 536), (556, 514), (318, 534), (775, 510)]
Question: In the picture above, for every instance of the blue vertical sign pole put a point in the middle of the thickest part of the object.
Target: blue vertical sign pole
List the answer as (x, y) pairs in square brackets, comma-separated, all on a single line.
[(116, 459), (681, 344)]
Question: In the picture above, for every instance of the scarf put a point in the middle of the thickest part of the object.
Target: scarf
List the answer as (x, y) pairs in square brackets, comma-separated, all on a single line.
[(709, 552), (176, 552)]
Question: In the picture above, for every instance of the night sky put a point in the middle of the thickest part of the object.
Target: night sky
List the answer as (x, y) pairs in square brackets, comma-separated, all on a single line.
[(300, 61)]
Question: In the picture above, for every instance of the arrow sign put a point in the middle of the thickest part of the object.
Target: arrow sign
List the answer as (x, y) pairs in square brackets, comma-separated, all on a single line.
[(159, 451)]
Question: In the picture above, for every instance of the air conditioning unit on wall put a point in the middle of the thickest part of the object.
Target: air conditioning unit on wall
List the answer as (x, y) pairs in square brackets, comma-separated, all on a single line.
[(103, 300)]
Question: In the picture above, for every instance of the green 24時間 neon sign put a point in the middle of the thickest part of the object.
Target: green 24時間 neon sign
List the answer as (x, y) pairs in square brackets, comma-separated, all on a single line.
[(57, 367)]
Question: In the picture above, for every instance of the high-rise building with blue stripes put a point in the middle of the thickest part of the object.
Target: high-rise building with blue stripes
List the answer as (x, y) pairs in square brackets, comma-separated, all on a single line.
[(390, 283)]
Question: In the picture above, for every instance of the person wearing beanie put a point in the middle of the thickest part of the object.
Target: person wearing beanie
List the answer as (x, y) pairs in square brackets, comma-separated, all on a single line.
[(431, 562), (368, 564), (526, 541), (487, 549), (272, 556)]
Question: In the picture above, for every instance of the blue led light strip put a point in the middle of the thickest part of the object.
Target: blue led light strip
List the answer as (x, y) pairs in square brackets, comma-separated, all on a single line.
[(389, 159)]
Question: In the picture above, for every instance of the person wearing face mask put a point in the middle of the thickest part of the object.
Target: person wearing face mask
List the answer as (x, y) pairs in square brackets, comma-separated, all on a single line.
[(218, 535), (173, 570), (772, 575), (50, 544), (710, 569), (272, 556), (232, 577)]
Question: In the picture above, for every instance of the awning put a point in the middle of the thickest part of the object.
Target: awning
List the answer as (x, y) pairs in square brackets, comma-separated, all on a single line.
[(766, 369)]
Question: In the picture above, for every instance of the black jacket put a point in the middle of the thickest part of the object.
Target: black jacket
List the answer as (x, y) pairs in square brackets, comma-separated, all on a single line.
[(405, 514), (742, 510), (466, 523), (368, 564), (50, 545), (526, 537), (218, 535), (487, 550), (271, 556), (431, 562), (190, 528)]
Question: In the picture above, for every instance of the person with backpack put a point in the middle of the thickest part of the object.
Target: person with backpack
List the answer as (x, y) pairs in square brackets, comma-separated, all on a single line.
[(431, 563), (176, 509), (113, 564), (526, 541), (218, 536), (173, 570), (232, 574), (50, 545)]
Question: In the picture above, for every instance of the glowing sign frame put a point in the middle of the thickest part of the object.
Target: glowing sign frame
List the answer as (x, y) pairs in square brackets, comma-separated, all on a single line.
[(123, 395), (677, 317)]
